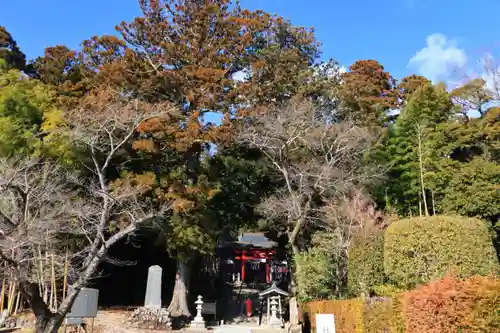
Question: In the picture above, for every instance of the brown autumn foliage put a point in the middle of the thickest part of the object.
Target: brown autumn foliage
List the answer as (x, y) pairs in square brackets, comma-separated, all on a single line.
[(189, 52), (452, 305), (367, 93), (409, 85), (61, 68)]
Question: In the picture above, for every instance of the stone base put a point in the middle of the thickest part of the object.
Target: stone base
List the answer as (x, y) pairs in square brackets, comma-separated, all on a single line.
[(148, 318), (197, 323), (293, 328), (274, 323)]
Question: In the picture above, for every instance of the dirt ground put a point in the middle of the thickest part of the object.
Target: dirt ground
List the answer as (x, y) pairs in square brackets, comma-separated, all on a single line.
[(116, 321), (112, 321)]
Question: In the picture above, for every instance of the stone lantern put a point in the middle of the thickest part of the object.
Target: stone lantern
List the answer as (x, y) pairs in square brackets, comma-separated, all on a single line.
[(274, 308)]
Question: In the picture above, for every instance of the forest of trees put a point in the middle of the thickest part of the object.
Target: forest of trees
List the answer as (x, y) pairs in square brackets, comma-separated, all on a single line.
[(202, 119)]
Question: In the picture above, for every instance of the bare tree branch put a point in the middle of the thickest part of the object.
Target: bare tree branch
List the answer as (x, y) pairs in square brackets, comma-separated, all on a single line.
[(43, 203), (319, 161)]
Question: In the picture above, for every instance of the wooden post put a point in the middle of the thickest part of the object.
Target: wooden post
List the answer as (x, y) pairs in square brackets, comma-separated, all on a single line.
[(242, 266), (268, 278)]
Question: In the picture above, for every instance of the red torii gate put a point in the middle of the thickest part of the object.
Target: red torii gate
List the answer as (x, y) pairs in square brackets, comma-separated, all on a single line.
[(255, 254)]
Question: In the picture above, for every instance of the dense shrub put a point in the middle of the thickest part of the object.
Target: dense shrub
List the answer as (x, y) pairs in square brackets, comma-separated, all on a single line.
[(348, 314), (370, 315), (448, 305), (397, 321), (452, 305), (419, 250), (323, 268), (366, 263), (315, 278), (377, 315), (387, 289)]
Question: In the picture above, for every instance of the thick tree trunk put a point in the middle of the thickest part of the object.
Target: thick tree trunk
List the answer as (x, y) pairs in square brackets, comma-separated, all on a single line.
[(46, 321), (49, 322), (49, 325), (179, 305)]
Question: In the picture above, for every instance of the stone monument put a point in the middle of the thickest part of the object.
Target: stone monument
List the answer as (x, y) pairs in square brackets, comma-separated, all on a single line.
[(153, 288), (152, 315)]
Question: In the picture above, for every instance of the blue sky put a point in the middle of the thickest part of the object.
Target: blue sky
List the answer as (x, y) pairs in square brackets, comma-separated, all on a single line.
[(429, 37)]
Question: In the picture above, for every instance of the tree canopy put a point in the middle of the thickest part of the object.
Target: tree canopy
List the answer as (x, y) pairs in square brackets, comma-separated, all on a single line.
[(207, 118)]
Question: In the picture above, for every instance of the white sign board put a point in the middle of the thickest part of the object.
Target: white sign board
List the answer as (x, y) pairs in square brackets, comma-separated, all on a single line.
[(325, 323)]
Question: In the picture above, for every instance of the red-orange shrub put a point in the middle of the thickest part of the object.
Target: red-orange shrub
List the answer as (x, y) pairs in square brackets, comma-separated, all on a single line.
[(451, 305)]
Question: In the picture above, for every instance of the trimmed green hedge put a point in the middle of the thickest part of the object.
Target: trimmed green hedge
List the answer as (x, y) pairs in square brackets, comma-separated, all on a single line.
[(419, 250), (366, 263)]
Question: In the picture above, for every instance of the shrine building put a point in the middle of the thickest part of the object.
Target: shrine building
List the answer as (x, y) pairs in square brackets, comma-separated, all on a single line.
[(253, 258)]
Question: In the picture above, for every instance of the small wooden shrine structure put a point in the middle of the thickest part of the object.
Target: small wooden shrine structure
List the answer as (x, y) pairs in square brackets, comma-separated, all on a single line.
[(250, 258)]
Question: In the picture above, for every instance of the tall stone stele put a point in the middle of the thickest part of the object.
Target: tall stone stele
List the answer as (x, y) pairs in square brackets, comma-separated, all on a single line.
[(152, 315), (153, 288)]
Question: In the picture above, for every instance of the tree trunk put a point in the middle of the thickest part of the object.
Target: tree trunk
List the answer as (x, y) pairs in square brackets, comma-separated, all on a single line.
[(296, 270), (46, 321), (421, 167), (49, 325), (419, 206), (433, 204), (179, 305)]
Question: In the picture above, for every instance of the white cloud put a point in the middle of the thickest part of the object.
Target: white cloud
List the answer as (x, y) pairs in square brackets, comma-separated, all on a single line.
[(439, 59)]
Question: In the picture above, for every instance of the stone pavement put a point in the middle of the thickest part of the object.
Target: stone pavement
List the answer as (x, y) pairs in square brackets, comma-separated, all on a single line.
[(232, 329), (241, 329)]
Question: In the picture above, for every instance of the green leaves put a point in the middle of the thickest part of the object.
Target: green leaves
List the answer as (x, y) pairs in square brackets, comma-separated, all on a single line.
[(316, 277), (366, 263), (29, 122), (411, 148), (424, 249), (473, 189)]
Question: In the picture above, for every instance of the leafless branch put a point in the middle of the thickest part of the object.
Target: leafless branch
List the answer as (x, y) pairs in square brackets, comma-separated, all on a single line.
[(43, 204), (319, 161)]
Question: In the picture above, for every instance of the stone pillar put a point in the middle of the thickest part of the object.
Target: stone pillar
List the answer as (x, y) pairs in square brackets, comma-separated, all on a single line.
[(152, 314), (268, 304), (198, 321), (294, 313), (153, 288)]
